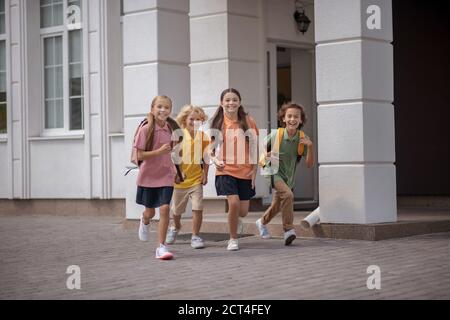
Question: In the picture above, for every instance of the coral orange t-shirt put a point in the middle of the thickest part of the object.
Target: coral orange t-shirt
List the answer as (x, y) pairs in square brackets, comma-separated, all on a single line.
[(238, 154)]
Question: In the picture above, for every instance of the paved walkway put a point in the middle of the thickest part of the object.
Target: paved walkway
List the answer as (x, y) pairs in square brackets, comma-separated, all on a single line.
[(35, 252)]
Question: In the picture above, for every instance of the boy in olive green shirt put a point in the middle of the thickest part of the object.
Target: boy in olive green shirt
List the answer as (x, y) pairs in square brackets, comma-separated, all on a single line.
[(288, 148)]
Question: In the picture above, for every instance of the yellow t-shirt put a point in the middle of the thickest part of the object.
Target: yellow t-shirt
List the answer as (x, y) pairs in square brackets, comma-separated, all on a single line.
[(192, 154)]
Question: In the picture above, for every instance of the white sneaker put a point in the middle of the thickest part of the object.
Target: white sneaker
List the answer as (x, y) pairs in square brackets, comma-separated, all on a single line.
[(197, 242), (172, 235), (163, 253), (233, 245), (143, 231), (289, 236), (263, 231), (240, 227)]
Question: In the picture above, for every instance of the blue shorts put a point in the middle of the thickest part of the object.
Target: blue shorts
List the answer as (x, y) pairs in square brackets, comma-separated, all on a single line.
[(229, 185), (154, 197)]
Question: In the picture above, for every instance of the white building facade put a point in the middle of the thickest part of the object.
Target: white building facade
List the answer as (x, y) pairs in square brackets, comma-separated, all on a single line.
[(77, 76)]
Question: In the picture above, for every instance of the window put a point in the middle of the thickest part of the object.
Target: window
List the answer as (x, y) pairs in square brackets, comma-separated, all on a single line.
[(62, 43), (3, 105), (51, 13), (53, 80)]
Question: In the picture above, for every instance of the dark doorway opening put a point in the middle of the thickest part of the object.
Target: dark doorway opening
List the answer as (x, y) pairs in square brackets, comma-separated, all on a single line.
[(422, 97)]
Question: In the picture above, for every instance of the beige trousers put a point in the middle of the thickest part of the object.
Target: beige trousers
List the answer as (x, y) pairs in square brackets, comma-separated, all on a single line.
[(283, 200)]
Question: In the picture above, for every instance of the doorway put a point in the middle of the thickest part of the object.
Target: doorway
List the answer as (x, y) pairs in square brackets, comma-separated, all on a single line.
[(291, 77)]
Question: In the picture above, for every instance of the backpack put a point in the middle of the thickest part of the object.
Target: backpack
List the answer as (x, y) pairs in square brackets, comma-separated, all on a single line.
[(137, 163), (134, 158), (263, 161)]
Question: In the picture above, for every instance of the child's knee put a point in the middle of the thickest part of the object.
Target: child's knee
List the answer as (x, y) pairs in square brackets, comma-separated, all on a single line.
[(198, 213), (290, 196), (164, 210), (233, 205), (149, 213)]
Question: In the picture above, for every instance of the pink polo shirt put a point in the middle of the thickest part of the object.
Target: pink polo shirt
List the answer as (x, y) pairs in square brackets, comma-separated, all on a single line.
[(157, 171)]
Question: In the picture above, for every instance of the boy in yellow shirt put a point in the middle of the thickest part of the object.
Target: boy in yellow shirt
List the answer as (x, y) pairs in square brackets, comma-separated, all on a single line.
[(195, 171)]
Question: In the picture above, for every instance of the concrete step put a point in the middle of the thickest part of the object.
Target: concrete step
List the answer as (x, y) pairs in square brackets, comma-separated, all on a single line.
[(411, 221)]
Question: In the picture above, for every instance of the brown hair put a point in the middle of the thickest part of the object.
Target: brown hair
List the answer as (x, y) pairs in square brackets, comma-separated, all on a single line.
[(291, 105), (217, 118), (173, 125)]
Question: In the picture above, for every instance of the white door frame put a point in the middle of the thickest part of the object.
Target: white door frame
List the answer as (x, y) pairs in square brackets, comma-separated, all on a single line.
[(271, 92)]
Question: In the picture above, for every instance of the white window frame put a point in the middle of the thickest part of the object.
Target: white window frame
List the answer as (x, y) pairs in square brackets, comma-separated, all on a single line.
[(63, 31), (3, 37), (6, 3)]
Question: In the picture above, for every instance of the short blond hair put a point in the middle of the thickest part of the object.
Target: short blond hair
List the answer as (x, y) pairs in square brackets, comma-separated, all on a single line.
[(186, 111)]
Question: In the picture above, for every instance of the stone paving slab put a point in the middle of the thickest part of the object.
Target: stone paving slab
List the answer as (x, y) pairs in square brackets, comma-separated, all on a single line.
[(35, 252)]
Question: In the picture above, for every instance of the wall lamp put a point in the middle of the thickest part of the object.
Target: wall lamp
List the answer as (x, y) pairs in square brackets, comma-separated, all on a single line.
[(300, 17)]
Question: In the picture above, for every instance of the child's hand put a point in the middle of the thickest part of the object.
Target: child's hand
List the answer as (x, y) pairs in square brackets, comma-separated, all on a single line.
[(253, 179), (306, 141), (165, 148), (204, 178), (219, 164), (177, 178)]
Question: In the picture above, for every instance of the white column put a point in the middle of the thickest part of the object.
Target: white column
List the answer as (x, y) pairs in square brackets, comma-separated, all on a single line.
[(17, 125), (227, 50), (354, 63), (104, 122), (155, 61), (97, 95)]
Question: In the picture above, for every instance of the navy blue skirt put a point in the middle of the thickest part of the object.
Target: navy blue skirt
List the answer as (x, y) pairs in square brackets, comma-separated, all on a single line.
[(229, 185), (154, 197)]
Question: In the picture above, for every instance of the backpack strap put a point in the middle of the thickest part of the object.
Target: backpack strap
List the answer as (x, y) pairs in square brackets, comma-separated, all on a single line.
[(301, 146), (279, 138), (177, 166), (276, 148)]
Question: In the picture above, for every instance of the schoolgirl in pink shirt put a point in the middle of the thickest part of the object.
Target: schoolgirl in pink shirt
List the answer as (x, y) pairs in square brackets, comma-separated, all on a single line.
[(157, 172)]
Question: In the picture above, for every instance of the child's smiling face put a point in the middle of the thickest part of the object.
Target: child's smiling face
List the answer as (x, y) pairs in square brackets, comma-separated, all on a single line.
[(193, 121), (231, 103), (161, 109), (292, 118)]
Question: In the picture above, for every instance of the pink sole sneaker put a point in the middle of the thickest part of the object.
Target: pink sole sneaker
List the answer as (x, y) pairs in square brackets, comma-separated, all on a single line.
[(166, 256)]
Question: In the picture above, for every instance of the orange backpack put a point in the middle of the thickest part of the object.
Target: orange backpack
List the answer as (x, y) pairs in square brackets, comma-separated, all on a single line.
[(263, 161)]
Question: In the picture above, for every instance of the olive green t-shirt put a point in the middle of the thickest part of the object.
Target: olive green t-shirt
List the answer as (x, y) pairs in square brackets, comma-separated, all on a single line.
[(288, 157)]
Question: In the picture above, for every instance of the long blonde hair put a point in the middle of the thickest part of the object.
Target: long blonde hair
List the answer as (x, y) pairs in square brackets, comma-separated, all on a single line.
[(151, 121), (186, 111)]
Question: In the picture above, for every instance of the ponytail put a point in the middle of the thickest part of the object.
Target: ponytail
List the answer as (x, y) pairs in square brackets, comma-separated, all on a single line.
[(217, 120), (174, 126), (151, 129), (242, 117)]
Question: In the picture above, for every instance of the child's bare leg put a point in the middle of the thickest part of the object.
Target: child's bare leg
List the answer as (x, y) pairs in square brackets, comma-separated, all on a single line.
[(196, 221), (163, 223), (233, 213), (243, 208), (148, 214)]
